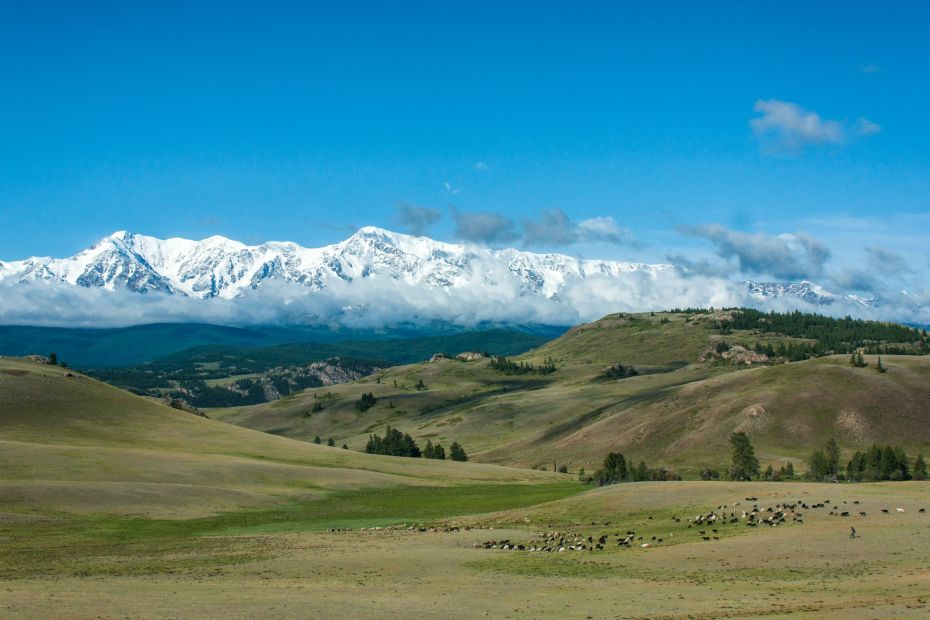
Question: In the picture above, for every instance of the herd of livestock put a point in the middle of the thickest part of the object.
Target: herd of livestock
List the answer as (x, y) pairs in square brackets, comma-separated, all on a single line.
[(705, 526)]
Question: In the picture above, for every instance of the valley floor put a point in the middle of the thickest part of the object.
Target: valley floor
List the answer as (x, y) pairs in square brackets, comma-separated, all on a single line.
[(289, 564)]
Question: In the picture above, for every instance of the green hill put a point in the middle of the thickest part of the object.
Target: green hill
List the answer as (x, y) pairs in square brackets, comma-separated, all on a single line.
[(70, 443), (679, 411)]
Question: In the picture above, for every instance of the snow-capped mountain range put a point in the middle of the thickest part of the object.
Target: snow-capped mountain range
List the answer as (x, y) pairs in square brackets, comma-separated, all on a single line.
[(375, 276), (807, 292), (220, 267)]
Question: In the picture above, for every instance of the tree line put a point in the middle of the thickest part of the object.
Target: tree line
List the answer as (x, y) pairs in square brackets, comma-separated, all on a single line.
[(616, 469), (502, 364), (617, 371), (872, 465), (833, 335)]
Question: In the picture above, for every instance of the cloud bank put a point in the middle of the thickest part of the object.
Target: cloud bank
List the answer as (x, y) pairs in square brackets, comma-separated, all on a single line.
[(380, 302)]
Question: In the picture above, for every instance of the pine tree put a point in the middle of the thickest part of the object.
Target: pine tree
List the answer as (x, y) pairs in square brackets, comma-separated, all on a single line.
[(614, 470), (817, 466), (920, 468), (833, 457), (457, 452), (53, 359), (745, 464), (330, 442), (316, 439), (878, 366)]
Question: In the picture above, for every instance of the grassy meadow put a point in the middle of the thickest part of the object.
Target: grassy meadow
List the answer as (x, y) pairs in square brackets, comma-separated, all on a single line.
[(113, 505)]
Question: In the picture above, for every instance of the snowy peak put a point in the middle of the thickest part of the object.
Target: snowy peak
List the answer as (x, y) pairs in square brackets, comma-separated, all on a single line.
[(806, 291), (375, 265), (221, 267)]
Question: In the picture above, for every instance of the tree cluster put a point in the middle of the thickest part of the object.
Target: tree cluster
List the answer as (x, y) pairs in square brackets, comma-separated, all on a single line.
[(434, 452), (366, 402), (834, 335), (785, 472), (457, 452), (616, 469), (888, 463), (394, 443), (872, 465), (502, 364), (618, 371)]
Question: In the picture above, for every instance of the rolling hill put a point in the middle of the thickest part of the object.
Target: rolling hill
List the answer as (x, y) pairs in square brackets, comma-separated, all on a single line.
[(690, 395), (70, 443)]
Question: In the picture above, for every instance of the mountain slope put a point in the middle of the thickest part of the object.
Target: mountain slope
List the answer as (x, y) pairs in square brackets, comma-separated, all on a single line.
[(679, 412)]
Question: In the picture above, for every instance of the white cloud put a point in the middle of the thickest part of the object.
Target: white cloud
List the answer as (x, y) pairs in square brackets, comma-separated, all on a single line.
[(364, 302), (865, 127), (870, 68), (791, 128), (788, 129), (605, 229), (480, 166)]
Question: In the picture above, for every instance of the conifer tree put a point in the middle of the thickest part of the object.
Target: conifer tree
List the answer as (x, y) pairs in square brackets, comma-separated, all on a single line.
[(457, 452), (833, 458), (920, 468), (745, 464)]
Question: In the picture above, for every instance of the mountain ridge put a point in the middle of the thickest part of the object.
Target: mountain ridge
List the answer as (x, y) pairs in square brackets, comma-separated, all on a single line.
[(221, 267), (377, 277)]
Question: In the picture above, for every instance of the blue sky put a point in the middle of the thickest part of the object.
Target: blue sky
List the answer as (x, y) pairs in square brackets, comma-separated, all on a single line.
[(781, 140)]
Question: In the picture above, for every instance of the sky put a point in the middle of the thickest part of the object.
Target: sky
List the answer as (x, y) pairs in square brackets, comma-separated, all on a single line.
[(781, 141)]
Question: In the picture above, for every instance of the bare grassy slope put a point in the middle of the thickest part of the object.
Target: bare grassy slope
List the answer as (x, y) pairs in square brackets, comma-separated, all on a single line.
[(787, 410), (69, 442)]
